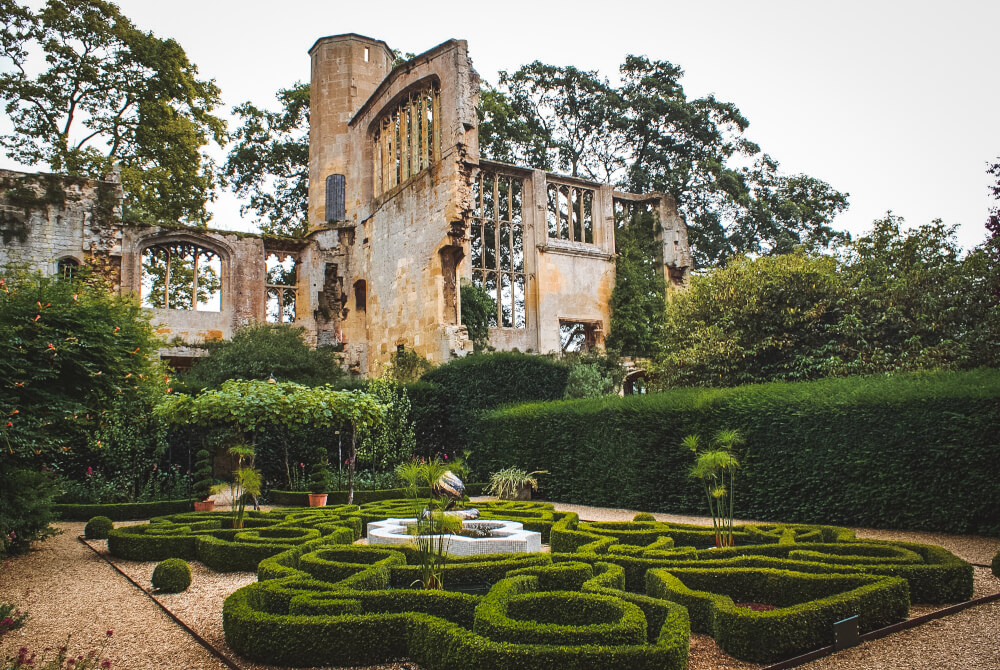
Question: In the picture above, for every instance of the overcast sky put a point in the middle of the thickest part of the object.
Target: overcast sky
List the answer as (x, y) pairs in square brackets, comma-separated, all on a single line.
[(896, 103)]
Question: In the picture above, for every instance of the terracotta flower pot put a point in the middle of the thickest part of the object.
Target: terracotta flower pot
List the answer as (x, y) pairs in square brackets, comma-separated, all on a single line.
[(317, 499), (204, 506)]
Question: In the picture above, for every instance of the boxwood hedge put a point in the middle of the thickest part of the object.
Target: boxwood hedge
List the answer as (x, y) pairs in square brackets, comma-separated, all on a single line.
[(916, 451), (208, 537), (600, 599), (122, 511)]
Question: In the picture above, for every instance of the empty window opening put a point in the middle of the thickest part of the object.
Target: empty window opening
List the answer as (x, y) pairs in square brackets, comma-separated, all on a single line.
[(407, 139), (181, 275), (496, 243), (366, 54), (569, 213), (629, 212), (280, 285), (67, 268), (360, 295), (579, 336)]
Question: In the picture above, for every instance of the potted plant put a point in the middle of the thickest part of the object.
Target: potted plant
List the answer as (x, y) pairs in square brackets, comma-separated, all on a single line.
[(203, 482), (514, 483), (319, 484)]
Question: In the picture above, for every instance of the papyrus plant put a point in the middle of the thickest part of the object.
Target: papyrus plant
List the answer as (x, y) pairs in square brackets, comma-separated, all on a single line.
[(716, 468)]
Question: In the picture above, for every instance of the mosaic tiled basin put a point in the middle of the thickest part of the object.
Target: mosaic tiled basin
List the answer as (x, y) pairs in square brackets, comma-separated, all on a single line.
[(506, 537)]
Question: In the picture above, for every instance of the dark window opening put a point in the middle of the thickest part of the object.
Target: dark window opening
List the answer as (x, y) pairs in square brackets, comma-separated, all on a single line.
[(67, 269)]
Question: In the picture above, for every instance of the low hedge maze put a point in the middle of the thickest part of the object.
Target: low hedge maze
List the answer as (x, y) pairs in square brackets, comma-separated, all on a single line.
[(610, 595)]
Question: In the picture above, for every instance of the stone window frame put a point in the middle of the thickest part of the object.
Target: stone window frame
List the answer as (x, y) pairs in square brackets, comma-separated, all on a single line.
[(67, 267), (222, 250), (281, 291), (577, 223), (421, 151), (501, 215), (206, 246)]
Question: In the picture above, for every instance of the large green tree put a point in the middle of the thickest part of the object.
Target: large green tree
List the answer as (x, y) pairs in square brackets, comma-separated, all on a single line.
[(646, 135), (86, 90), (71, 356), (896, 300), (269, 162)]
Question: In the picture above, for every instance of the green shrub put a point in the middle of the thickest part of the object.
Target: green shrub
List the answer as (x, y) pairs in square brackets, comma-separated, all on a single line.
[(98, 528), (209, 538), (806, 605), (444, 412), (262, 351), (644, 516), (26, 508), (830, 451), (122, 511), (319, 479), (172, 576), (203, 475)]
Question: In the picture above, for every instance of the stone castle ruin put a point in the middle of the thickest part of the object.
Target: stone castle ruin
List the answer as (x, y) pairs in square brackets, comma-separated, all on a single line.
[(402, 212)]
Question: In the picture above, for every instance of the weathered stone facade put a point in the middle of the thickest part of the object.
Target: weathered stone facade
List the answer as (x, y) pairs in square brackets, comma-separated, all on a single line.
[(403, 211)]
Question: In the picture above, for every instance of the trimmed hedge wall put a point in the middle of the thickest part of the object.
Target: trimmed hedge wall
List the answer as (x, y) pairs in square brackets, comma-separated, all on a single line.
[(300, 498), (447, 400), (916, 451), (122, 511)]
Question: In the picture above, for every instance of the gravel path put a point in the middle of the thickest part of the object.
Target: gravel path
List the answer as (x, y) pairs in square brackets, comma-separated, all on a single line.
[(68, 589)]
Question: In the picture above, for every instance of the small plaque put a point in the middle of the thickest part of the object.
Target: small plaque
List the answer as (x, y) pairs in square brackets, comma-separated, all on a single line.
[(845, 633)]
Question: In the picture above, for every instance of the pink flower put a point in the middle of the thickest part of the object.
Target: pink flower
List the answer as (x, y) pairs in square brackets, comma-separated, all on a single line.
[(110, 633), (90, 471), (446, 457), (105, 664), (302, 465)]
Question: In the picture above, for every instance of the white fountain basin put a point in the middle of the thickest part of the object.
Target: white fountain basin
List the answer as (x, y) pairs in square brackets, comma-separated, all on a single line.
[(507, 537)]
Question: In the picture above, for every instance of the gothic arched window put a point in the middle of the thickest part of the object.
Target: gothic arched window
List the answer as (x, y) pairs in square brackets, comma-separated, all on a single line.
[(181, 275)]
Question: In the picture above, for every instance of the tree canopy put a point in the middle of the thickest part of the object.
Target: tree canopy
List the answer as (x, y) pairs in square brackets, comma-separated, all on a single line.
[(86, 90), (895, 300), (249, 406), (269, 162), (646, 135), (69, 352)]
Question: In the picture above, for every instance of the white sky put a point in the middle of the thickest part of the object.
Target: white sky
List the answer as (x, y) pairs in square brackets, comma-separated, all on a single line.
[(896, 103)]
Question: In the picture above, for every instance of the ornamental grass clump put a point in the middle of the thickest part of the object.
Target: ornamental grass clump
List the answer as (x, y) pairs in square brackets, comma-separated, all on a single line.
[(98, 528), (172, 576), (716, 468), (433, 523), (506, 484)]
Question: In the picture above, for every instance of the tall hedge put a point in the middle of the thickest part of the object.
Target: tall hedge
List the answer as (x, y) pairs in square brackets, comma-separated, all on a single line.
[(917, 451), (447, 400)]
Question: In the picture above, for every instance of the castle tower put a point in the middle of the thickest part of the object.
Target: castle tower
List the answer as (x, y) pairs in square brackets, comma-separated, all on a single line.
[(346, 70)]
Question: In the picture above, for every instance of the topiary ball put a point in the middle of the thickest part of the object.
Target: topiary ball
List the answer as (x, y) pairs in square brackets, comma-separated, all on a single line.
[(996, 565), (644, 516), (172, 576), (98, 528)]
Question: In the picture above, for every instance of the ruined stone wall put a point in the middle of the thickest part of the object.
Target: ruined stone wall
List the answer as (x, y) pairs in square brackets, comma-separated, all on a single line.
[(402, 245), (45, 218)]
